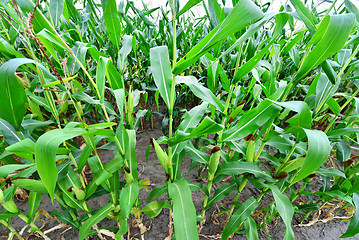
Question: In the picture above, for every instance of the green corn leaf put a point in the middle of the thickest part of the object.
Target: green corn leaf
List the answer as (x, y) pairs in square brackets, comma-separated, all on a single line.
[(281, 20), (127, 140), (128, 198), (334, 106), (330, 172), (207, 126), (31, 185), (281, 143), (251, 229), (329, 71), (291, 166), (251, 121), (353, 227), (330, 37), (25, 149), (86, 152), (342, 131), (8, 50), (189, 5), (114, 165), (53, 38), (192, 118), (307, 17), (7, 169), (184, 212), (196, 155), (214, 12), (130, 152), (141, 15), (161, 72), (304, 115), (56, 8), (239, 216), (220, 193), (5, 216), (318, 151), (153, 209), (120, 100), (114, 77), (123, 228), (40, 22), (72, 11), (128, 43), (12, 95), (351, 7), (80, 50), (40, 101), (9, 132), (115, 186), (71, 179), (65, 217), (243, 14), (251, 30), (324, 91), (101, 176), (68, 197), (112, 22), (94, 219), (100, 77), (34, 203), (200, 91), (285, 209), (31, 124), (156, 192), (235, 168), (45, 153)]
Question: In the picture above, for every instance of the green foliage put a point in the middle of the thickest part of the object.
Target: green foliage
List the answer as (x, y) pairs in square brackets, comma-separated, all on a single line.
[(265, 98)]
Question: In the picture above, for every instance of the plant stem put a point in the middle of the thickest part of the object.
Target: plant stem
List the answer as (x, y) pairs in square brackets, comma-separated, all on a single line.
[(28, 221), (173, 87), (240, 189), (12, 229), (210, 181), (172, 100)]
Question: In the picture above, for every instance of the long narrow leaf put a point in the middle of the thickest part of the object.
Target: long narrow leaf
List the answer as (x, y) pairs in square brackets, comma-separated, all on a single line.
[(285, 209), (45, 153), (318, 151), (161, 71), (239, 216), (184, 212), (243, 14), (97, 217), (330, 37)]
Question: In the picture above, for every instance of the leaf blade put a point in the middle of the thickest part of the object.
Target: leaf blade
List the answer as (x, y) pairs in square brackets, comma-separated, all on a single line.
[(184, 212)]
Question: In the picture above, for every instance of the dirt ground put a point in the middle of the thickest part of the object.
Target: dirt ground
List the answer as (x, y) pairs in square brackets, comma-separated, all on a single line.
[(158, 227)]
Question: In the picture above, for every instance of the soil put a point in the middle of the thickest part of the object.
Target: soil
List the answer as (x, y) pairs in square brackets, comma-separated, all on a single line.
[(158, 227)]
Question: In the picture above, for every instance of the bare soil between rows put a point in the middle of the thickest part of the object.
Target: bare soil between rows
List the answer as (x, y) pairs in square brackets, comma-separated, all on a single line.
[(158, 227)]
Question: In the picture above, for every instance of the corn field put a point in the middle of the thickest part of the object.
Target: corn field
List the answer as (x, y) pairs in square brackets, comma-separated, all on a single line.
[(251, 98)]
